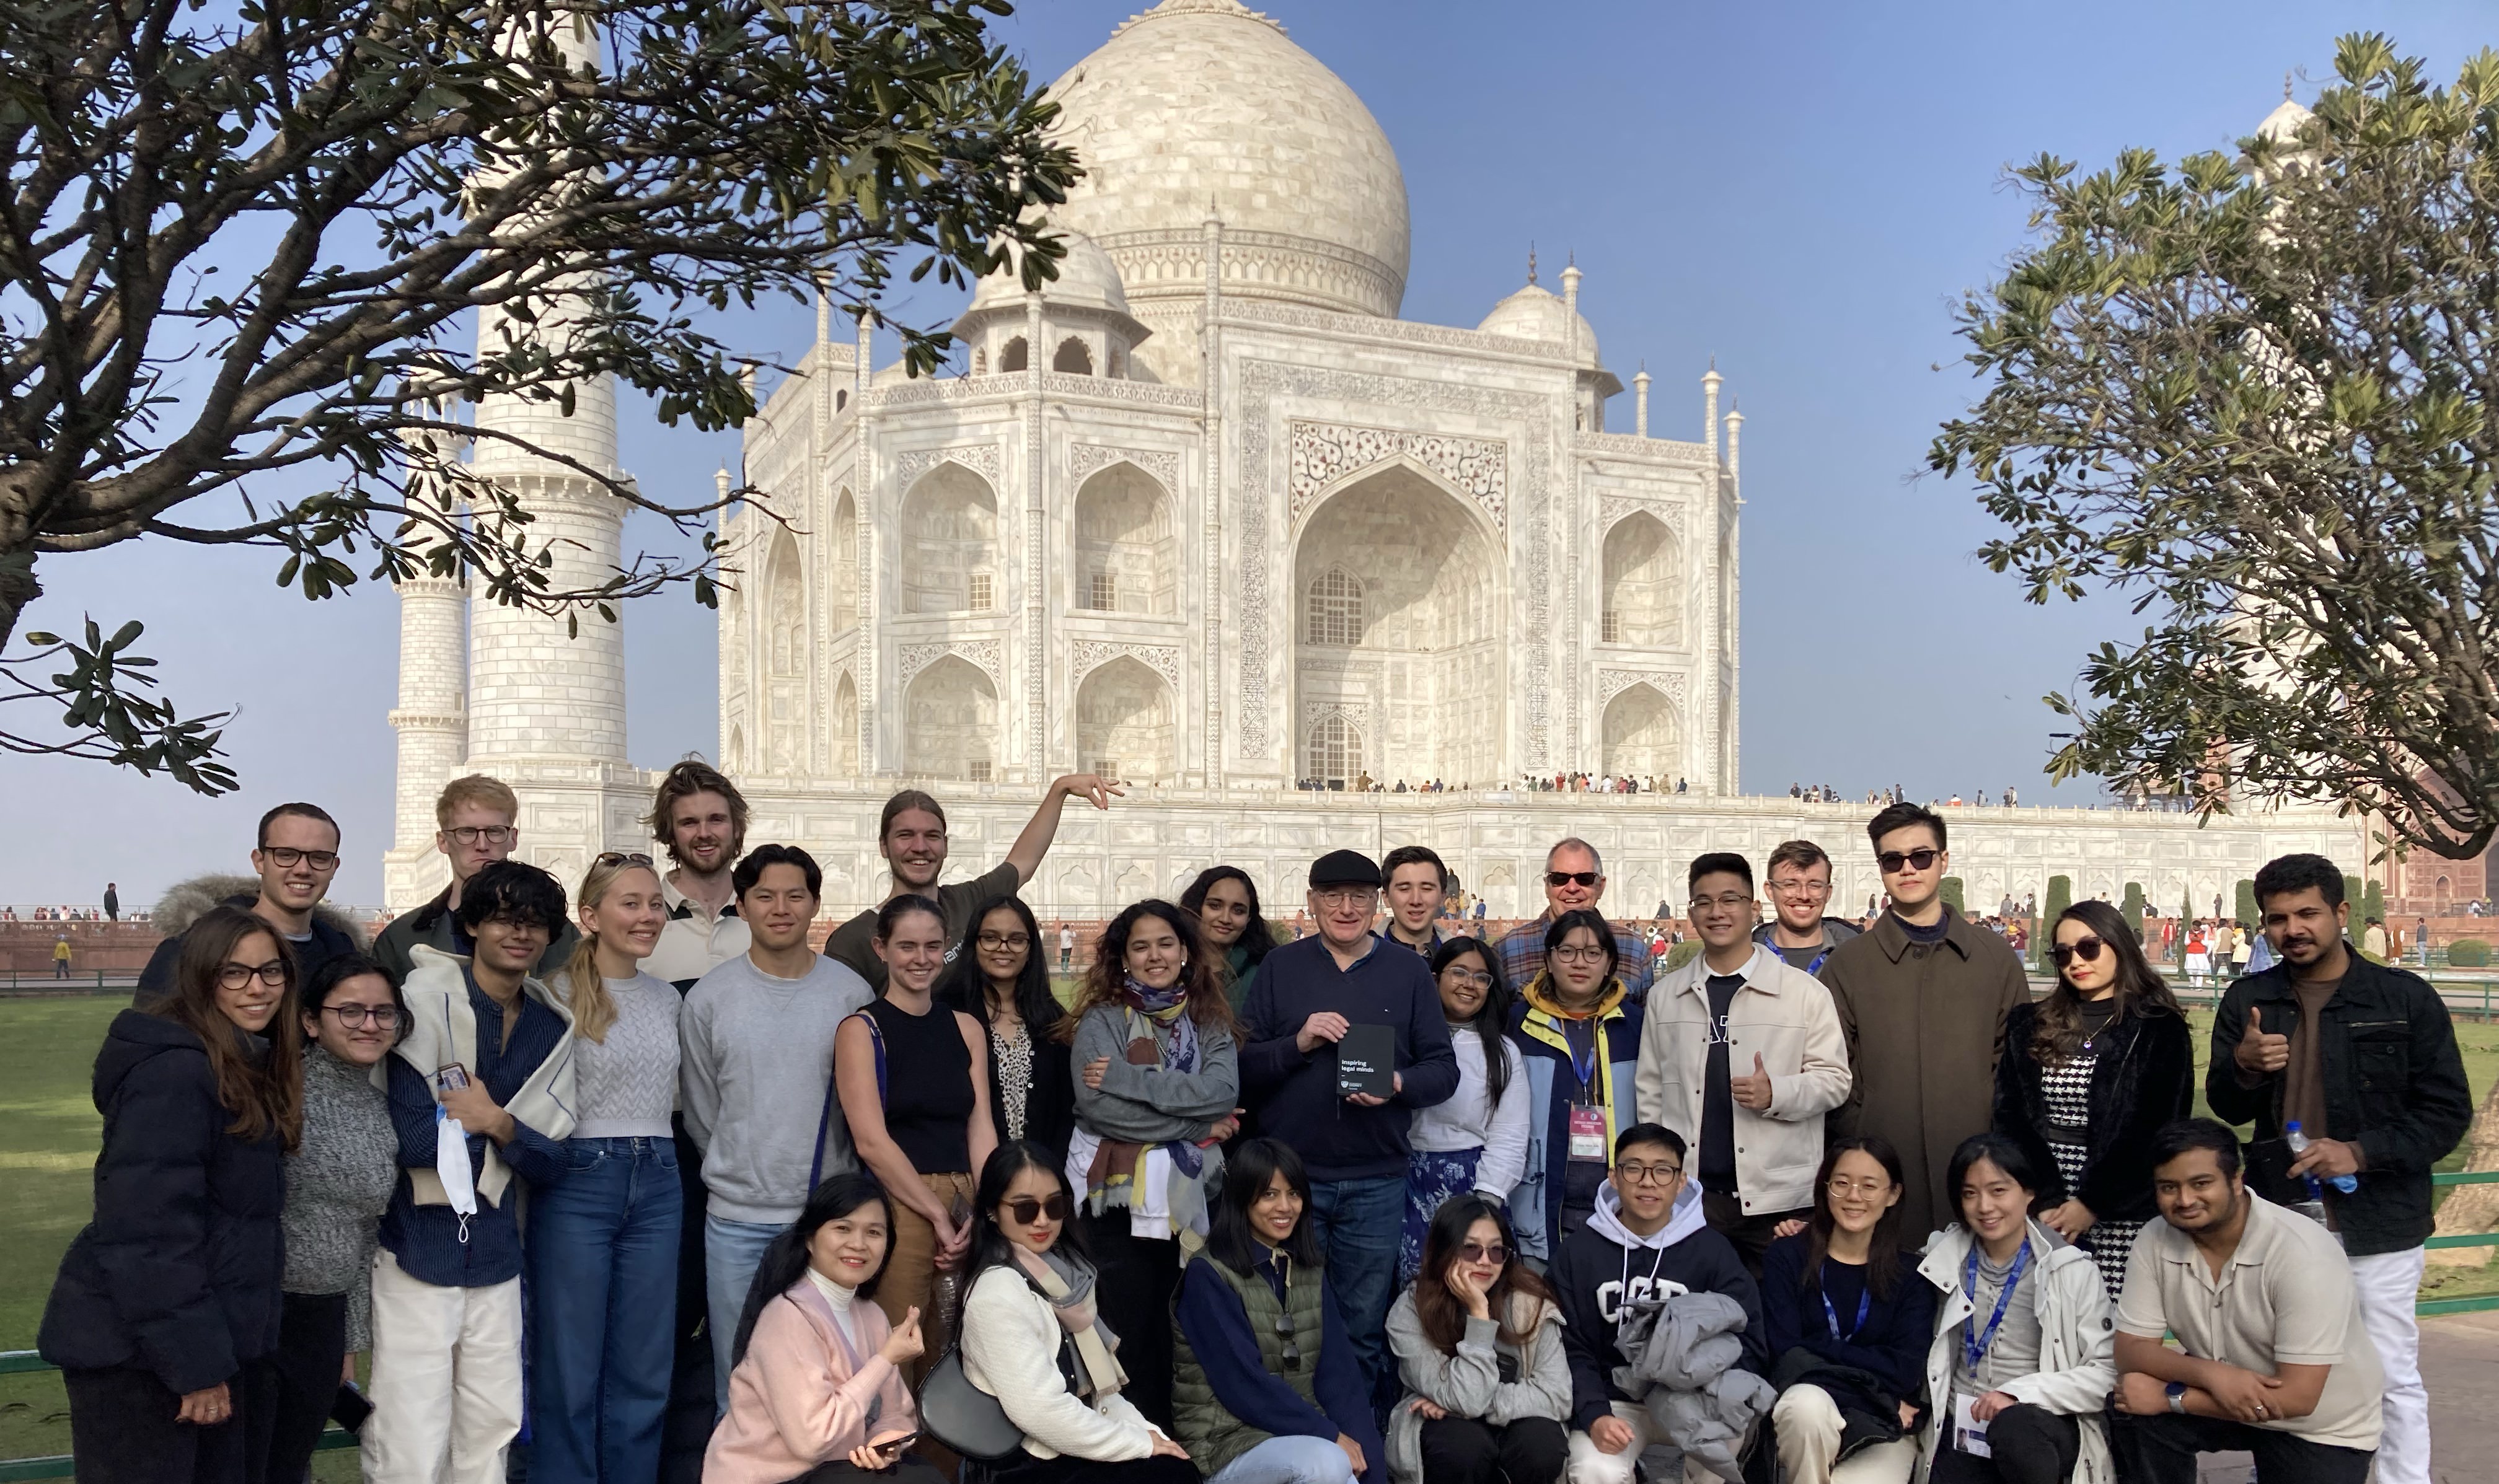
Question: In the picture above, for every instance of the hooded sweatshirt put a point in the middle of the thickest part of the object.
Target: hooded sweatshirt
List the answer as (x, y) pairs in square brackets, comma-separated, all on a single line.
[(1605, 1265)]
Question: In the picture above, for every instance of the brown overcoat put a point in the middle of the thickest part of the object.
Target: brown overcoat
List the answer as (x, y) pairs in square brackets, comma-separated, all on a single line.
[(1925, 1025)]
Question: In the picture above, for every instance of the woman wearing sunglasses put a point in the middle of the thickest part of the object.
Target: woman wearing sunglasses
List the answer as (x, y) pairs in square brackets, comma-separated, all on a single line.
[(2088, 1074), (818, 1391), (603, 1240), (1156, 1075), (1269, 1390), (338, 1184), (1031, 1338), (1479, 1343)]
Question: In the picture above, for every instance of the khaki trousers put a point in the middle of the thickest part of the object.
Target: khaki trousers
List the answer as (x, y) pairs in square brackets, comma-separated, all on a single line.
[(912, 1271)]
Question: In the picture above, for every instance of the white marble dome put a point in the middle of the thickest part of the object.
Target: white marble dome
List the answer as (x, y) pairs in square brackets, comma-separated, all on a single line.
[(1204, 107), (1533, 313), (1086, 279)]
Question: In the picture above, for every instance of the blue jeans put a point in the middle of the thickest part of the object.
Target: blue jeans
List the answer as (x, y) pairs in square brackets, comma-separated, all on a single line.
[(1291, 1461), (603, 1268), (731, 1252), (1357, 1223)]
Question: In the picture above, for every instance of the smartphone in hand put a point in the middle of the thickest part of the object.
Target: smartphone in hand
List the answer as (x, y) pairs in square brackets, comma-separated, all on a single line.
[(449, 1077)]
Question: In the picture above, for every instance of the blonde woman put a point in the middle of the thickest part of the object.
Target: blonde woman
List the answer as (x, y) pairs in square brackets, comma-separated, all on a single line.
[(603, 1247)]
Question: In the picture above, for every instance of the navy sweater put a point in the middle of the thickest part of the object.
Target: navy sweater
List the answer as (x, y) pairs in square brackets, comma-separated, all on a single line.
[(1293, 1093), (428, 1239), (1898, 1331), (1218, 1330)]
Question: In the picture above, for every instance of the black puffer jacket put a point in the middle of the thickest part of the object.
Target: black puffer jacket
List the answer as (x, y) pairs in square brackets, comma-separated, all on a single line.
[(179, 1272), (2145, 1077)]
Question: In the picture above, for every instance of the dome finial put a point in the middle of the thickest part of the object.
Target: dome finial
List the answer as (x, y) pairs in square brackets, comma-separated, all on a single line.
[(1531, 262), (2285, 87)]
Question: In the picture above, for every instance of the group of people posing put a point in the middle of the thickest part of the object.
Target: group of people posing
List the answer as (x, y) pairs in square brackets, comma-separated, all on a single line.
[(640, 1168)]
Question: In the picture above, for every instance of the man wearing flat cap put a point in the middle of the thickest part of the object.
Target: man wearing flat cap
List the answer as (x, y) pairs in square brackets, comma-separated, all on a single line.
[(1308, 995)]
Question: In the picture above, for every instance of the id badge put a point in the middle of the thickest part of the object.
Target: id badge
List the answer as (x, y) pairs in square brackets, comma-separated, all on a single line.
[(1970, 1434), (1587, 1132)]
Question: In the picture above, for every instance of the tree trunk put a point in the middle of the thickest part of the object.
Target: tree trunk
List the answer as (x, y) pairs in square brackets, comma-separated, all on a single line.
[(18, 589), (2473, 1208)]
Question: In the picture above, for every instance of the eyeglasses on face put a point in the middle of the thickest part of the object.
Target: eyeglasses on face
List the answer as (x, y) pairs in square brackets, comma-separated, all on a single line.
[(1483, 1252), (1025, 1210), (1580, 953), (1572, 878), (2087, 948), (612, 857), (516, 925), (1841, 1185), (235, 975), (286, 857), (1649, 1175), (1005, 943), (1475, 977), (1731, 901), (1808, 888), (1347, 896), (492, 834), (1922, 858), (379, 1017)]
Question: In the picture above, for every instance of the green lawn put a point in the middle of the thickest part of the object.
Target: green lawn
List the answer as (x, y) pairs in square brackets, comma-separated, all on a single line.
[(47, 1136)]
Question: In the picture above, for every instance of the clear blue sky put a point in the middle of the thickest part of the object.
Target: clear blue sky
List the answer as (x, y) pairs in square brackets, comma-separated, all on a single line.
[(1803, 190)]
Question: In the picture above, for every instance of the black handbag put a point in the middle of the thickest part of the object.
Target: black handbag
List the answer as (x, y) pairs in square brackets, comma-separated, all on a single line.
[(962, 1416)]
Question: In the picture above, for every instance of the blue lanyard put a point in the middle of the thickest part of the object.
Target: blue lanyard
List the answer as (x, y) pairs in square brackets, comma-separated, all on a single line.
[(1584, 1067), (1973, 1347), (1865, 1300)]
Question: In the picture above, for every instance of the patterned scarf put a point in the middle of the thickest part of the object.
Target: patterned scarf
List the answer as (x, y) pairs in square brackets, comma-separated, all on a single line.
[(1110, 1179)]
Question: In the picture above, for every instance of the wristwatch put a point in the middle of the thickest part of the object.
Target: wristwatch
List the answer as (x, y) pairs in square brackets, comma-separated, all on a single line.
[(2177, 1396)]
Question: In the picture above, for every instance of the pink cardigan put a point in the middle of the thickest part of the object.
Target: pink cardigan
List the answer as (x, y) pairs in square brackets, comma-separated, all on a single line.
[(793, 1402)]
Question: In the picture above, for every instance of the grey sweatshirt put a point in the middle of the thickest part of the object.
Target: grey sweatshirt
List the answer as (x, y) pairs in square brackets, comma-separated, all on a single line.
[(758, 1056)]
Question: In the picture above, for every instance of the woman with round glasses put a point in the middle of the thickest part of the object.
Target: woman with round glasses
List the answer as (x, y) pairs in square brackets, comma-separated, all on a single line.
[(2088, 1074), (1034, 1338), (603, 1240), (167, 1310), (1157, 1073), (1269, 1389), (1226, 903), (1578, 1032), (999, 979), (1476, 1140), (1478, 1345), (338, 1184)]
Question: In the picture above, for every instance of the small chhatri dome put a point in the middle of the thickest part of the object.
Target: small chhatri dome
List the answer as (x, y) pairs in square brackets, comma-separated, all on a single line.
[(1204, 108), (2285, 122), (1534, 314), (1086, 279)]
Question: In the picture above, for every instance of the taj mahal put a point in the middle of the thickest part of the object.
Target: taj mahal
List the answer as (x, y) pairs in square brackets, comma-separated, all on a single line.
[(1205, 515)]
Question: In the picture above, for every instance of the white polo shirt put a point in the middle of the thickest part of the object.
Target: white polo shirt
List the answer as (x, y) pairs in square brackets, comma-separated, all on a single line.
[(695, 941), (2284, 1298)]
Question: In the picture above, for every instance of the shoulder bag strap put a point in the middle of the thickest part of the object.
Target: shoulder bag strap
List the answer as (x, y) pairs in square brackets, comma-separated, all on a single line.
[(832, 1086)]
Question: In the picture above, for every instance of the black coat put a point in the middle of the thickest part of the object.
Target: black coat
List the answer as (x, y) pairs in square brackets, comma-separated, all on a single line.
[(179, 1272), (2145, 1077), (2394, 1086)]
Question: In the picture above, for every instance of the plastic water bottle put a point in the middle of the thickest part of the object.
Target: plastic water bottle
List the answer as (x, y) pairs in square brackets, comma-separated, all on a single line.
[(2312, 1204), (2344, 1185)]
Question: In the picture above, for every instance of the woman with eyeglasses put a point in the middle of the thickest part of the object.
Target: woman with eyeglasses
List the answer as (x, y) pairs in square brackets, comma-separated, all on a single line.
[(1269, 1388), (2023, 1354), (1226, 903), (998, 978), (167, 1313), (1579, 1032), (1476, 1140), (2088, 1075), (1034, 1340), (817, 1393), (1478, 1345), (1157, 1073), (603, 1240), (338, 1184), (1850, 1322)]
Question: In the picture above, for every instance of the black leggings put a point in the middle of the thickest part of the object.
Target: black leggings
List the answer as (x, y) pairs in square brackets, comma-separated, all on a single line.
[(312, 1353), (2030, 1445), (1464, 1450)]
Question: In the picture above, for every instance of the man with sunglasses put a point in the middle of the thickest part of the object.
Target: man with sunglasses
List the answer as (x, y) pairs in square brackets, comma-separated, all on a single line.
[(1573, 878), (295, 855), (1921, 997), (475, 827)]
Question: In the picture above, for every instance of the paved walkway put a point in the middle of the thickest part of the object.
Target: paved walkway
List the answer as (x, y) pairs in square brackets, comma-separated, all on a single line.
[(2461, 1361)]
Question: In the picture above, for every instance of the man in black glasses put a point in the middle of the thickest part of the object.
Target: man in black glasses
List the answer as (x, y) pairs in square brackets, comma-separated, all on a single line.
[(1921, 997), (475, 825), (1573, 878), (295, 855)]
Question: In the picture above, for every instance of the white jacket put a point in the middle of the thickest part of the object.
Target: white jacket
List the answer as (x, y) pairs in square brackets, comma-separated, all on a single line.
[(1783, 1014), (443, 1028), (1010, 1343), (2077, 1344)]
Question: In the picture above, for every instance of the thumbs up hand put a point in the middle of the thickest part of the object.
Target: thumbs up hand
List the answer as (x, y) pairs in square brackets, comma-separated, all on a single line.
[(1754, 1091), (2260, 1055)]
